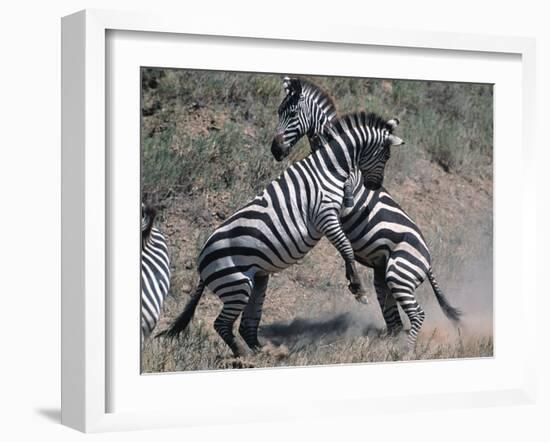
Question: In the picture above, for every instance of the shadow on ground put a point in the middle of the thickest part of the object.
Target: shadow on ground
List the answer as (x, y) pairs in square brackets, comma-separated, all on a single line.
[(302, 332)]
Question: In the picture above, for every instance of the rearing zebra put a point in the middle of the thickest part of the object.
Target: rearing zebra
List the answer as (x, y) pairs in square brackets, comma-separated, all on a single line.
[(382, 235), (155, 272), (280, 226)]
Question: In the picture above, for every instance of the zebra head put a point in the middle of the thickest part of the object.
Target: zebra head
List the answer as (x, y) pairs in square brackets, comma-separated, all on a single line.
[(365, 140), (372, 162), (148, 215), (291, 125), (306, 110)]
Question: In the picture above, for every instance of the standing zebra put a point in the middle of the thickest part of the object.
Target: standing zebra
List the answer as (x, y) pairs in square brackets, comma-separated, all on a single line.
[(382, 235), (155, 272), (280, 226)]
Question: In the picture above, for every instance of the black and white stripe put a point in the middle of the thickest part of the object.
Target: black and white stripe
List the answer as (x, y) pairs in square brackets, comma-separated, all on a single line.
[(306, 109), (155, 272), (382, 235), (280, 226)]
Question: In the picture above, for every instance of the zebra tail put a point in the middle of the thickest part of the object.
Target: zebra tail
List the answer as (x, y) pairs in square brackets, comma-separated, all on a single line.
[(183, 320), (451, 312)]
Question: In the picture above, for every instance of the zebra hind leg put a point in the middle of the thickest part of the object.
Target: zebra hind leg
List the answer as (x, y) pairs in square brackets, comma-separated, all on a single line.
[(252, 313), (388, 305), (404, 295), (235, 296)]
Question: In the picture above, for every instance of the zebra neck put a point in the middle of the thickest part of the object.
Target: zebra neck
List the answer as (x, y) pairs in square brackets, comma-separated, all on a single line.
[(317, 128), (334, 164), (308, 113), (317, 115), (311, 133), (315, 134), (354, 137)]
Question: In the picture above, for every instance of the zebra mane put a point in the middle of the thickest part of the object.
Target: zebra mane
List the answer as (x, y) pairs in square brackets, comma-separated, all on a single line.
[(322, 94), (370, 119), (150, 214), (318, 94)]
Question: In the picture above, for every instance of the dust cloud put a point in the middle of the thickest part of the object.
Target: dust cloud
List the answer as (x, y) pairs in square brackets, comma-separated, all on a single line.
[(471, 292)]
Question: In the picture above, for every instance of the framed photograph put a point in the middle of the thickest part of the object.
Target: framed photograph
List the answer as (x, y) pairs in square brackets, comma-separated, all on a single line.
[(270, 210)]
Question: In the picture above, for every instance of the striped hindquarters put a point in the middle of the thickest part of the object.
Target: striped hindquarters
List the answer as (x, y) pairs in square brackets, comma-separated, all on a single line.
[(379, 229), (155, 280)]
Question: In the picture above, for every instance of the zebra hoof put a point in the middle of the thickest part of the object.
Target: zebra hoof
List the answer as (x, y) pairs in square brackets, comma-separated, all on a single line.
[(394, 331), (274, 351), (241, 351), (357, 289), (237, 363), (362, 299)]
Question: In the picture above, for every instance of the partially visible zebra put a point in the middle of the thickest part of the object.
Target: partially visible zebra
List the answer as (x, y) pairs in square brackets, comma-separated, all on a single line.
[(382, 235), (155, 272), (280, 226)]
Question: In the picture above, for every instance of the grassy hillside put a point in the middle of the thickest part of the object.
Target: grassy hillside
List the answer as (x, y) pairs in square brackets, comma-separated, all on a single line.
[(206, 140)]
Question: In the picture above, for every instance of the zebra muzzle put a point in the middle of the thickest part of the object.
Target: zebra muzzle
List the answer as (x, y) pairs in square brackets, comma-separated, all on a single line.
[(279, 149)]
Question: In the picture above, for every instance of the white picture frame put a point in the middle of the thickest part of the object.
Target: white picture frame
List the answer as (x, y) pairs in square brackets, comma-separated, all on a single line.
[(87, 211)]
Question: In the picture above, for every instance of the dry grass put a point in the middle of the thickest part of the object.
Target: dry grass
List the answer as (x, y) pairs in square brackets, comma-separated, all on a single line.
[(332, 339)]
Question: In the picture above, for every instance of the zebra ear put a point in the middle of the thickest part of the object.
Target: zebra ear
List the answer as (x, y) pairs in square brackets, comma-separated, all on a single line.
[(393, 123), (395, 141), (292, 86), (286, 84)]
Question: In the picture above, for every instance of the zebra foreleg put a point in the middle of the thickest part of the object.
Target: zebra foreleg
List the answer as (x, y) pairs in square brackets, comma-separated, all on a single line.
[(332, 229), (347, 205), (234, 298), (387, 302), (252, 313), (356, 285)]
